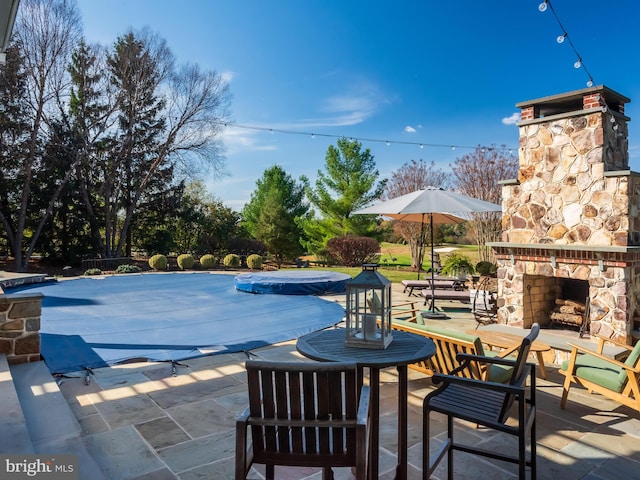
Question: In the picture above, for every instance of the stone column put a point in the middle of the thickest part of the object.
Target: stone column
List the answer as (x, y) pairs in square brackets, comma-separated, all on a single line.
[(20, 327)]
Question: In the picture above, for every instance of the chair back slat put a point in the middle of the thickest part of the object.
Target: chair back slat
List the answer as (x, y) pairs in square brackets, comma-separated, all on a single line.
[(519, 374), (309, 410), (316, 404), (282, 408), (296, 409)]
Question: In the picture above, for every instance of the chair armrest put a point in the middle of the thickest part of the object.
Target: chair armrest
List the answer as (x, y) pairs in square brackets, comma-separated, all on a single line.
[(613, 361), (480, 358), (363, 406), (617, 343), (483, 384)]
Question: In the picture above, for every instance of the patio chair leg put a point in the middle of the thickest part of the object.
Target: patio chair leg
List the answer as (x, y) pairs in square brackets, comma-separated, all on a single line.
[(327, 473), (270, 472), (450, 452)]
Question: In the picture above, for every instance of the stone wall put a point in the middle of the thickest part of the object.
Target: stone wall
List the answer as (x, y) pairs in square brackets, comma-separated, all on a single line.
[(563, 195), (20, 327)]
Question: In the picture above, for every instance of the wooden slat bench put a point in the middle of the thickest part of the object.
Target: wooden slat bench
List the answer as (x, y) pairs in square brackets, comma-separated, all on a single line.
[(449, 343)]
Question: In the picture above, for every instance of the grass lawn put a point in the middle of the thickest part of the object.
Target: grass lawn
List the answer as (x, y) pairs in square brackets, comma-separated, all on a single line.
[(395, 261)]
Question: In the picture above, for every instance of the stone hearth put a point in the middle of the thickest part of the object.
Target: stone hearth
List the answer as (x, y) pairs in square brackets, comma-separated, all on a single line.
[(573, 212)]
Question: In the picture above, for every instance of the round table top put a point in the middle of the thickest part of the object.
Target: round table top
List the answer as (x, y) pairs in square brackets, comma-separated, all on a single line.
[(329, 346)]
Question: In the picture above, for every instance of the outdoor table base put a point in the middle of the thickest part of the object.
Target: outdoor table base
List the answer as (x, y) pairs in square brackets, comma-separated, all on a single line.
[(406, 348)]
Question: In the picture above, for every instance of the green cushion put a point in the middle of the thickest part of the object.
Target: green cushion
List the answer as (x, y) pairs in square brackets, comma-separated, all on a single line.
[(454, 334), (598, 371), (499, 373)]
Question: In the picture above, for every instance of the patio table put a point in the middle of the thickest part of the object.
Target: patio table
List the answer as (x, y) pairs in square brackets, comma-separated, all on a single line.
[(406, 348)]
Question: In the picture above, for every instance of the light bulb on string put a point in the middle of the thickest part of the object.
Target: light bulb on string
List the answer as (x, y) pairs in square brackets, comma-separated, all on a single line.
[(578, 64), (590, 83), (388, 143), (543, 6), (561, 38), (615, 127), (453, 147), (613, 119), (421, 146), (313, 135)]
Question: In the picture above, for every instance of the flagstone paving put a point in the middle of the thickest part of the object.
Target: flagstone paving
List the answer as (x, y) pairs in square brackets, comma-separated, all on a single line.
[(141, 423)]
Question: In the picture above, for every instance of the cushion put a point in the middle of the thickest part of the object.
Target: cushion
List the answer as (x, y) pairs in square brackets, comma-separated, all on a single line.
[(598, 371)]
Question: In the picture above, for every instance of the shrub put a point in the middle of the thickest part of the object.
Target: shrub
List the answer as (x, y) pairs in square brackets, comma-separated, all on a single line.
[(254, 261), (128, 269), (158, 262), (93, 271), (232, 260), (353, 251), (207, 261), (486, 268), (457, 264), (185, 261)]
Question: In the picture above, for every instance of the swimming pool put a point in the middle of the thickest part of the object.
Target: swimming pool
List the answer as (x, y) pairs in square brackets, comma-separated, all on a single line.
[(93, 322)]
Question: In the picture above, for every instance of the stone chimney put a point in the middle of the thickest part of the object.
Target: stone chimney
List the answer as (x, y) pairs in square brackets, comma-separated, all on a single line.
[(572, 213)]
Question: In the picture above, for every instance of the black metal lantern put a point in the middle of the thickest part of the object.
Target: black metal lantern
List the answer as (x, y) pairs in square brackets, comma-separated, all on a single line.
[(369, 309)]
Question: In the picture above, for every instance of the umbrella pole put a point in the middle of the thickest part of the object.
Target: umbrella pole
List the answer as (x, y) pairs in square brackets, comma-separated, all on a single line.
[(421, 246), (432, 313)]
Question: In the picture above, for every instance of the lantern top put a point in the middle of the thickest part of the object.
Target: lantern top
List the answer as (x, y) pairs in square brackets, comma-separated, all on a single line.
[(369, 277)]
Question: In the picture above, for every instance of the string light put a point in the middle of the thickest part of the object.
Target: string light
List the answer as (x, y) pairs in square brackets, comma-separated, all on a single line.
[(565, 36), (359, 139)]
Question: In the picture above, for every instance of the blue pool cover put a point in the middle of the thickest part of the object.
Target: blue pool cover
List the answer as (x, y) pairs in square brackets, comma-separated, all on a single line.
[(293, 282), (100, 321)]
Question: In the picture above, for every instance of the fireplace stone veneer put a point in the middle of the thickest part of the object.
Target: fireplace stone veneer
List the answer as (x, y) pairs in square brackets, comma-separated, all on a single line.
[(574, 211)]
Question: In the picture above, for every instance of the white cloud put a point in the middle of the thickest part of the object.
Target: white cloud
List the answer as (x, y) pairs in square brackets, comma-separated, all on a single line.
[(241, 140), (409, 129), (512, 120), (227, 77)]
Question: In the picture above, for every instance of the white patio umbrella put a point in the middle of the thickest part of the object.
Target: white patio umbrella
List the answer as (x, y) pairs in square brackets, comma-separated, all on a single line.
[(430, 206)]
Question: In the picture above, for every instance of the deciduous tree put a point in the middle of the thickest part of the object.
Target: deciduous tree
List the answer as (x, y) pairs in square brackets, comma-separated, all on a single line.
[(45, 33), (412, 176), (476, 175)]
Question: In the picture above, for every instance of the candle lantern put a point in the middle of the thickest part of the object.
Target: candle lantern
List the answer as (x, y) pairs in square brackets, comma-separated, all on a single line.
[(369, 309)]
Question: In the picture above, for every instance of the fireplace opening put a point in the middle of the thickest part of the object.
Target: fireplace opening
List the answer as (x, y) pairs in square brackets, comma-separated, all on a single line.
[(559, 303)]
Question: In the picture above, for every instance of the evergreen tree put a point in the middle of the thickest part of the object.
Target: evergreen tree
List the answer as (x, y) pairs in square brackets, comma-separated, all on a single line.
[(136, 76), (348, 185), (277, 194), (275, 228)]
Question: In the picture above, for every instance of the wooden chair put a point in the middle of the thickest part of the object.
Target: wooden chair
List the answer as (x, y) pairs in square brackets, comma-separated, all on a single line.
[(303, 414), (609, 377), (488, 404)]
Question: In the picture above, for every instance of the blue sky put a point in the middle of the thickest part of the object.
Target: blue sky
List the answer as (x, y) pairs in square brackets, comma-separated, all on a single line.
[(423, 71)]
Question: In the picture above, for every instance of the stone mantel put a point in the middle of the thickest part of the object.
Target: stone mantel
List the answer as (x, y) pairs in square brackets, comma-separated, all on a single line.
[(560, 248)]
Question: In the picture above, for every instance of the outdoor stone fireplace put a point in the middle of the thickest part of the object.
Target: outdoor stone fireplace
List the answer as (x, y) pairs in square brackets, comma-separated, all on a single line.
[(571, 220)]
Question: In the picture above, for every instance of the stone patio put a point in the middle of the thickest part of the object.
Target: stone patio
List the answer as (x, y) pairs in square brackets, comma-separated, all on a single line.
[(140, 422)]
